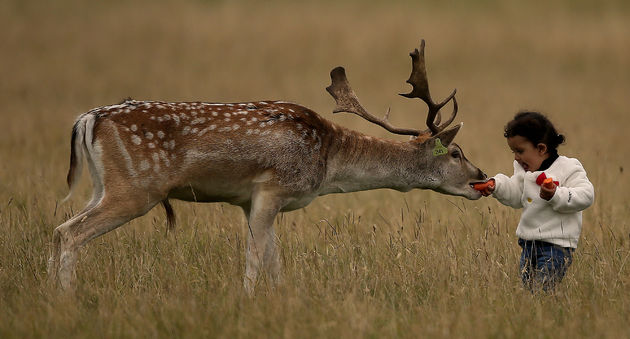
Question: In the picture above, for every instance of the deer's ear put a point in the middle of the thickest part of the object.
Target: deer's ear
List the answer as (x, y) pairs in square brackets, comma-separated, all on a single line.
[(447, 136)]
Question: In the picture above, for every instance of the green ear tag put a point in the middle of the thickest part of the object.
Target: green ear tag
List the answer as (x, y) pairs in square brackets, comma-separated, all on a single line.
[(439, 148)]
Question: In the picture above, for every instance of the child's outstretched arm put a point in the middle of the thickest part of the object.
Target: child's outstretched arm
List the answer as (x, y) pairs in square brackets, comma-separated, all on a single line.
[(575, 194), (509, 190)]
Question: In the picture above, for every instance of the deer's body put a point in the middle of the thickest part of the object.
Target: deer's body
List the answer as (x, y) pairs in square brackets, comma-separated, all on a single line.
[(264, 156), (219, 152)]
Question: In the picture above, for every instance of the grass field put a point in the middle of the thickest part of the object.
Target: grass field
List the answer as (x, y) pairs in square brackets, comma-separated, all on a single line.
[(369, 264)]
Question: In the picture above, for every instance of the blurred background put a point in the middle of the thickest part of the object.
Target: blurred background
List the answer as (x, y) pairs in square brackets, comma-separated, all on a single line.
[(567, 59)]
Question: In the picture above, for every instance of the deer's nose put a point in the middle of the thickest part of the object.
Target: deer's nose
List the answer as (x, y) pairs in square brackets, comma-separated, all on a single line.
[(481, 175)]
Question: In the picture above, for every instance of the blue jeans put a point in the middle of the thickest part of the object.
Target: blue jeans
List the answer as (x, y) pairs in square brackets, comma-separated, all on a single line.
[(543, 264)]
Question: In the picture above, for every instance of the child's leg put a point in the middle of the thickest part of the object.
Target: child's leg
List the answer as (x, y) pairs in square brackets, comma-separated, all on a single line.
[(527, 262), (552, 262)]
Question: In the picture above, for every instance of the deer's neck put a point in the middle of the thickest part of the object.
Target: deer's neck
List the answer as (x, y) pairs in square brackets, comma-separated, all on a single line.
[(358, 162)]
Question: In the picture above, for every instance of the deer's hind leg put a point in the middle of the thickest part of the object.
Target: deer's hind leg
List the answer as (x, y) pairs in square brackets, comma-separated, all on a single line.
[(106, 215)]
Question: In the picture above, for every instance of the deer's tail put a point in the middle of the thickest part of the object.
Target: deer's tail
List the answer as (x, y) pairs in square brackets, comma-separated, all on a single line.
[(81, 131)]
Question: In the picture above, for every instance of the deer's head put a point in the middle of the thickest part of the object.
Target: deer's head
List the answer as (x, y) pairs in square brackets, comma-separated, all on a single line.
[(440, 162)]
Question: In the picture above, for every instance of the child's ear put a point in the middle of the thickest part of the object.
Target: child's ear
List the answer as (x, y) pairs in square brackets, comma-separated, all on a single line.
[(541, 148)]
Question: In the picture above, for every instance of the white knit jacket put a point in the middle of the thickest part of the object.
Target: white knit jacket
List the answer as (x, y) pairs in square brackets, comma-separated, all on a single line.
[(559, 220)]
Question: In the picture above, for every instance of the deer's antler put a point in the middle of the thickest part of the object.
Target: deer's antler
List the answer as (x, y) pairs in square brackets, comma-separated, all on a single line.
[(347, 101), (420, 83)]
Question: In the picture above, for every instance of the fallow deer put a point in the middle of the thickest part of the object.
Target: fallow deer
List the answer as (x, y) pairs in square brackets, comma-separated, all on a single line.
[(264, 156)]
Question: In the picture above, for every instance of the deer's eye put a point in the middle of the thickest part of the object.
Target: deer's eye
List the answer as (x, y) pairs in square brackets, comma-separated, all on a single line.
[(456, 155)]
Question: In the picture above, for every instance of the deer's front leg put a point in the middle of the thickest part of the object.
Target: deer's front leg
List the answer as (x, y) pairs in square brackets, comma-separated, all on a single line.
[(261, 248)]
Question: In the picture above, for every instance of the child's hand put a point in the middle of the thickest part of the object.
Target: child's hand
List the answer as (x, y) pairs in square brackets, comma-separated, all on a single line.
[(547, 189), (486, 188)]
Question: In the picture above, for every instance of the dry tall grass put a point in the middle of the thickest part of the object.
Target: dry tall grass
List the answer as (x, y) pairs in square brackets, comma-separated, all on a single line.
[(371, 264)]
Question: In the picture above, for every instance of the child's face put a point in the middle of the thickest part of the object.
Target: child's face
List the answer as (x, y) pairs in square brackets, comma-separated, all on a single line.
[(528, 155)]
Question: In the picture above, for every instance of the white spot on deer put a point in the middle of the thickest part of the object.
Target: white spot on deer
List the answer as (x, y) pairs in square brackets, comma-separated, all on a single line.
[(235, 127), (214, 114), (111, 107), (227, 119), (136, 139), (176, 119), (262, 124), (262, 103), (156, 158), (194, 130), (151, 145), (198, 121), (166, 145), (193, 113), (164, 157), (291, 110), (225, 129), (186, 130), (204, 131), (183, 116), (265, 132), (127, 110), (249, 131), (254, 119), (166, 117), (212, 127), (148, 135), (144, 165), (152, 117), (156, 168), (227, 115), (172, 144), (299, 126), (133, 127), (160, 134)]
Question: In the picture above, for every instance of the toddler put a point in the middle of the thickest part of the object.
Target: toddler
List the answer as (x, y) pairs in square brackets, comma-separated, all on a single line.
[(551, 221)]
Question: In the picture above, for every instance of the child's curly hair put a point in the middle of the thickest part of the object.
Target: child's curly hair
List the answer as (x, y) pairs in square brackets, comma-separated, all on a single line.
[(536, 128)]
